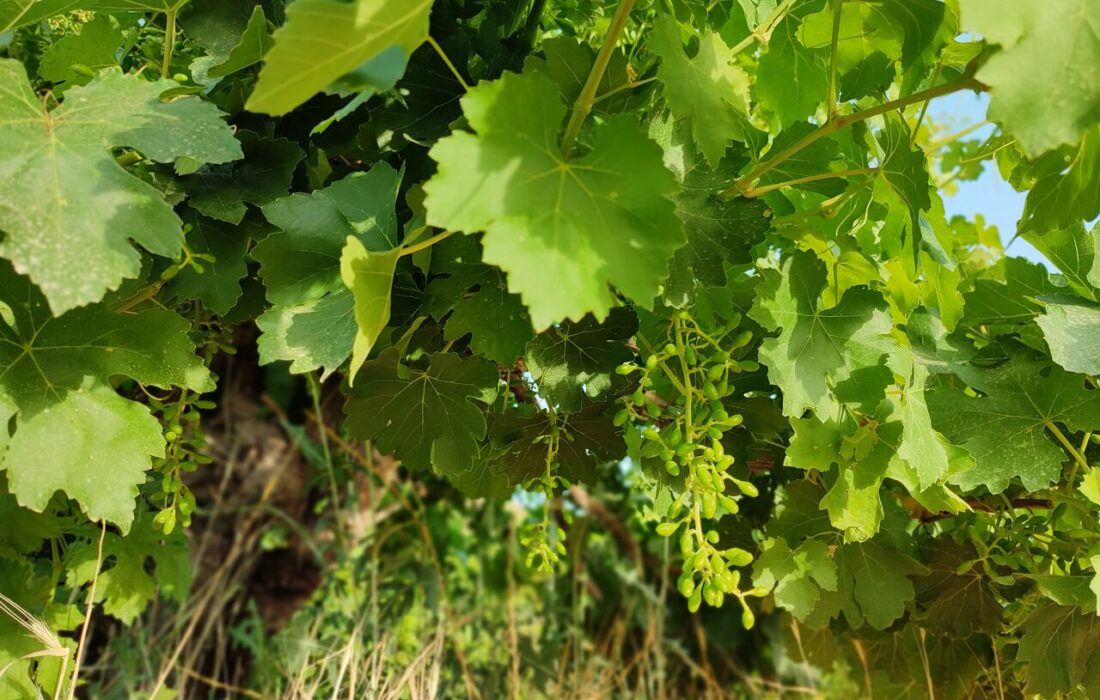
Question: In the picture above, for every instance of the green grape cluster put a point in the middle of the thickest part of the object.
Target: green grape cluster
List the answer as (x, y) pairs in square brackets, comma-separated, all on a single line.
[(184, 453), (543, 539), (684, 431)]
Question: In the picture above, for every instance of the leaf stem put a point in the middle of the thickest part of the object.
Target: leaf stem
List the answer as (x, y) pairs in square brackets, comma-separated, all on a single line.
[(838, 122), (587, 98), (450, 66), (764, 30), (625, 86), (426, 243), (757, 191), (1078, 458), (169, 41)]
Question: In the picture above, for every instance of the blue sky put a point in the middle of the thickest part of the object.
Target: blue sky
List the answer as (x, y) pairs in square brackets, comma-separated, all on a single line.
[(989, 195)]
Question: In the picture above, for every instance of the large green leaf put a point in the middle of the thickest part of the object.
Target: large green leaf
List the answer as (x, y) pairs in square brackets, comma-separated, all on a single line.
[(1072, 330), (708, 89), (817, 348), (324, 39), (574, 359), (1008, 431), (68, 210), (312, 321), (426, 417), (1062, 36), (559, 227), (92, 444)]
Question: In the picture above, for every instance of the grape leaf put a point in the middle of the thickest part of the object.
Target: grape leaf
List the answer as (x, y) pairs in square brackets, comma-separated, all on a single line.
[(519, 449), (129, 585), (576, 359), (93, 48), (218, 286), (874, 583), (324, 39), (369, 276), (707, 89), (1012, 301), (959, 604), (262, 176), (791, 80), (1063, 36), (499, 324), (559, 227), (719, 231), (797, 576), (1072, 330), (1073, 252), (1006, 430), (1067, 197), (312, 321), (818, 348), (567, 62), (43, 357), (426, 417), (1061, 646), (92, 444), (250, 46), (68, 209)]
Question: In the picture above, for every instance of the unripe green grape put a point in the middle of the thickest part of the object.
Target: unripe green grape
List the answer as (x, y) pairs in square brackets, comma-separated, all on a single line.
[(670, 349), (714, 433), (695, 600), (685, 448), (712, 536), (749, 366), (742, 339), (748, 619), (626, 368), (720, 416), (710, 391), (715, 372), (727, 582), (638, 398), (667, 455), (735, 320), (735, 420), (651, 362), (651, 433), (686, 586), (720, 357), (746, 487), (701, 474), (728, 504), (716, 563), (653, 409), (709, 504), (738, 557), (673, 436), (665, 529), (689, 356), (621, 418), (672, 468), (687, 544)]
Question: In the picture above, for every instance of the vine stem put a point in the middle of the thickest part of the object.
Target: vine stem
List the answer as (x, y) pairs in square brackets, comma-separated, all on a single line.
[(426, 243), (838, 122), (169, 41), (838, 5), (583, 106), (757, 191)]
